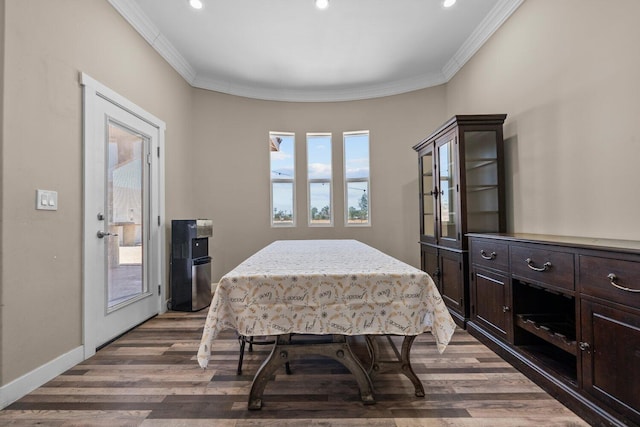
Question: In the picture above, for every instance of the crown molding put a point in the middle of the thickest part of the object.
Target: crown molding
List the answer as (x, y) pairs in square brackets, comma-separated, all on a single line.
[(321, 95), (136, 17), (489, 25), (141, 23)]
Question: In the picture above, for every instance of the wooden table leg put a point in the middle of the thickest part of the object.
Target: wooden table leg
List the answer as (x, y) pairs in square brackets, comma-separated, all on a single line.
[(268, 368), (402, 364), (284, 351)]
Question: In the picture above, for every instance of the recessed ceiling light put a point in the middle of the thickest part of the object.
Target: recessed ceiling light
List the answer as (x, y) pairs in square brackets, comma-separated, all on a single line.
[(196, 4), (322, 4), (449, 3)]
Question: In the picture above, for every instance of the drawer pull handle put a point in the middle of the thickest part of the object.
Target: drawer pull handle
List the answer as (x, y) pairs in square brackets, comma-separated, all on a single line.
[(612, 279), (545, 266), (484, 255)]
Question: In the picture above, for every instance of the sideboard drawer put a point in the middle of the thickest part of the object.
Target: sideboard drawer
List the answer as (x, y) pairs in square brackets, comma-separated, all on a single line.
[(543, 266), (611, 279), (488, 253)]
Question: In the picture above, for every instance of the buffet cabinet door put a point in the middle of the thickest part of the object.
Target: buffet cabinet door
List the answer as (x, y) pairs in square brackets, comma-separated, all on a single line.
[(491, 303), (610, 349), (455, 293), (430, 265)]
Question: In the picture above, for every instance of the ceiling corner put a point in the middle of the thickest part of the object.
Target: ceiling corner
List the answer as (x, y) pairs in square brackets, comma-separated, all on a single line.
[(136, 17), (489, 25)]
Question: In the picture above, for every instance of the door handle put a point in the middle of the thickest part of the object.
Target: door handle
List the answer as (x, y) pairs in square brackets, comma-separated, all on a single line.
[(102, 234)]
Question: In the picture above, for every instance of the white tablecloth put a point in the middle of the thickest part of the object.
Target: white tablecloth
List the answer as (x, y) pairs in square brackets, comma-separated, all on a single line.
[(325, 287)]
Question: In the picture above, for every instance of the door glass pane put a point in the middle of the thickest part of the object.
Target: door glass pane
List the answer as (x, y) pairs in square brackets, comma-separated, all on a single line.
[(428, 212), (481, 165), (125, 214), (447, 178)]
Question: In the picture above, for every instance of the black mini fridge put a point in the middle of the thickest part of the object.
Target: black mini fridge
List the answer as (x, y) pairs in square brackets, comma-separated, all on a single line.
[(190, 264)]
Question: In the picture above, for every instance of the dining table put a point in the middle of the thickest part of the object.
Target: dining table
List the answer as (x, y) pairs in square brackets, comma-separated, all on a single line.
[(335, 288)]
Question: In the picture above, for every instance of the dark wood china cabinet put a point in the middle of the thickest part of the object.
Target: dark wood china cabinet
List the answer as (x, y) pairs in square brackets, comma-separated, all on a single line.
[(461, 185)]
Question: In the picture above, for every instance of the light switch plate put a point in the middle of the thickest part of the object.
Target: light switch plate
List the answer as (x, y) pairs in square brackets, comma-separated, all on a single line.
[(47, 200)]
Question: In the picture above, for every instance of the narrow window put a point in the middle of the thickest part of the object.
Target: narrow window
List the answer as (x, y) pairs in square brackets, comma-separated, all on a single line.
[(282, 149), (356, 173), (319, 179)]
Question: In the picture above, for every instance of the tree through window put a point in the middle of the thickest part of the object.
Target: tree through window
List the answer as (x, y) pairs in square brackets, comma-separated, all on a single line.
[(282, 151), (356, 173), (319, 178)]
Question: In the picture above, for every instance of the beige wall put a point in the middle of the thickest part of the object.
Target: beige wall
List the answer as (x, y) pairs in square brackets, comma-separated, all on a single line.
[(47, 44), (2, 25), (231, 168), (565, 72), (568, 74)]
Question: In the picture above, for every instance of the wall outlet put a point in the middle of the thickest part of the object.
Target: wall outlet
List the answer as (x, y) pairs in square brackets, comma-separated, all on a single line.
[(47, 200)]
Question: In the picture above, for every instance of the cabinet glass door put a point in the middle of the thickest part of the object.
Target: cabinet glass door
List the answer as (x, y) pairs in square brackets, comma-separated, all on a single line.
[(482, 190), (448, 187), (428, 210)]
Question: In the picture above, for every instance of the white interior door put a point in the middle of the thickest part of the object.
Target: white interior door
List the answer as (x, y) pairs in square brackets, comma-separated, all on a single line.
[(122, 239)]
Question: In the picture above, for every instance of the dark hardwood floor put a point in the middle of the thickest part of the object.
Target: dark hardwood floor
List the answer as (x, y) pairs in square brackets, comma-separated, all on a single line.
[(150, 377)]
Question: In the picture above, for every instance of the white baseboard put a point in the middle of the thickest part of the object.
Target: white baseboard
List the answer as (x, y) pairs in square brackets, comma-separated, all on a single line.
[(19, 387)]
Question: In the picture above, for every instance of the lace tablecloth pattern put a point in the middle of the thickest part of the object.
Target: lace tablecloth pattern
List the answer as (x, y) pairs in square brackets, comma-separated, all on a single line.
[(325, 287)]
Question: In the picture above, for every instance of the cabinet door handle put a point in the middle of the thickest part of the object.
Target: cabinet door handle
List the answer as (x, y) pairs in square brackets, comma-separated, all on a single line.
[(584, 346), (484, 255), (102, 234), (612, 280), (545, 266), (505, 308)]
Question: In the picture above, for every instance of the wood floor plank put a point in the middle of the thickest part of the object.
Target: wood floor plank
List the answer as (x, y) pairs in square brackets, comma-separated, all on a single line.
[(150, 378)]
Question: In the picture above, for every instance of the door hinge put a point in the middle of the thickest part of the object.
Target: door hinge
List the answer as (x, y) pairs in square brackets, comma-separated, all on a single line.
[(158, 152), (159, 293), (158, 220), (149, 158)]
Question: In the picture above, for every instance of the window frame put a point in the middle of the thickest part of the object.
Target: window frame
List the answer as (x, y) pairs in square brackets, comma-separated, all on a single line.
[(347, 180), (291, 180), (320, 181)]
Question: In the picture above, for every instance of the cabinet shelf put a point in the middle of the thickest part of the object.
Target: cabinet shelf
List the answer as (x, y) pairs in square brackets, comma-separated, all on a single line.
[(483, 212), (472, 188), (555, 329), (560, 362), (475, 163)]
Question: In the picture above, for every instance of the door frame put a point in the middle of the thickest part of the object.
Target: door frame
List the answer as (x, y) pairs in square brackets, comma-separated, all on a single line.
[(92, 90)]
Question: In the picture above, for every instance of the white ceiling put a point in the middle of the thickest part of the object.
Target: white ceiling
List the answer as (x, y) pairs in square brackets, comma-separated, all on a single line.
[(288, 50)]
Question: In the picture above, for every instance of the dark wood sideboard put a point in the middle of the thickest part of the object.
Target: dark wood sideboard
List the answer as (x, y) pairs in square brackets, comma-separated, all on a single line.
[(566, 312)]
